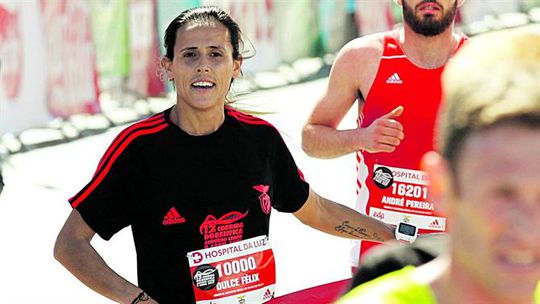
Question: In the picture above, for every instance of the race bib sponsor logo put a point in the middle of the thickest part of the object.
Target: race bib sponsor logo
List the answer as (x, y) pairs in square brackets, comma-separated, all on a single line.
[(436, 224), (424, 222), (378, 215), (205, 277), (382, 177), (268, 295), (241, 299)]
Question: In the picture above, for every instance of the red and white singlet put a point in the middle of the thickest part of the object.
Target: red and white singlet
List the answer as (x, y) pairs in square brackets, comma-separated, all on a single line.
[(390, 186)]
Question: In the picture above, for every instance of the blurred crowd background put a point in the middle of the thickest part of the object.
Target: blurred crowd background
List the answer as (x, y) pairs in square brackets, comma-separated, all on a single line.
[(70, 68)]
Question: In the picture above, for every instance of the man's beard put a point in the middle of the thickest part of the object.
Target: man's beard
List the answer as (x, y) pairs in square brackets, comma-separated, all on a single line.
[(428, 26)]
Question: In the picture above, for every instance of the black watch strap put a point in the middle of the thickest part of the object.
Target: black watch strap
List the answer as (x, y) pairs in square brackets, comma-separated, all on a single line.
[(140, 298)]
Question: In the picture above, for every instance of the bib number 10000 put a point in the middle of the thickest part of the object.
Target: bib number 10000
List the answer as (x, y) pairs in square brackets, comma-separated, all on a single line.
[(236, 266)]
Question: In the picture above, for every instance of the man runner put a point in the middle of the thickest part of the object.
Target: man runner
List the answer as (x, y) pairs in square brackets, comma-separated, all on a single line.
[(485, 175), (395, 76)]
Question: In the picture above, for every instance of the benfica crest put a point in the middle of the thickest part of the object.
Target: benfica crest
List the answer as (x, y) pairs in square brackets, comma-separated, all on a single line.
[(264, 198)]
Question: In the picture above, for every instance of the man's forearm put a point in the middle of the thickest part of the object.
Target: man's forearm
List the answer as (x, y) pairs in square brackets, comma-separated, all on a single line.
[(81, 259), (325, 142)]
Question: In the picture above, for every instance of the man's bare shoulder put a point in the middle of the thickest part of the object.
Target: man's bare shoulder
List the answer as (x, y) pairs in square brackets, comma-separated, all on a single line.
[(369, 48), (357, 62)]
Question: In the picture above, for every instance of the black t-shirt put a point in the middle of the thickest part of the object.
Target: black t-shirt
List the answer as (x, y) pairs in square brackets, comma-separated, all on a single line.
[(182, 193)]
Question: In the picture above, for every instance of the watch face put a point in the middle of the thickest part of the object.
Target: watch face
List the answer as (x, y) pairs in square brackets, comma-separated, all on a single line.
[(407, 229)]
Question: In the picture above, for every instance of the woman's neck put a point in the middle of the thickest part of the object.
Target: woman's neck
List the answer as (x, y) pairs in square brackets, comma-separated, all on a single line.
[(197, 123)]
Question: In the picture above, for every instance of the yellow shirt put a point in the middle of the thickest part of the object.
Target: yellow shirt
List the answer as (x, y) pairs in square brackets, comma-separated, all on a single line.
[(397, 287)]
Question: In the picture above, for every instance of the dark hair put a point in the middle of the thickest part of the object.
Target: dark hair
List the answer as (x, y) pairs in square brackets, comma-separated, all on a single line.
[(202, 14)]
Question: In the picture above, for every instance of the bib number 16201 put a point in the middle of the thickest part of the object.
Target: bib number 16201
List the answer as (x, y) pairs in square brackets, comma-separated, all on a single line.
[(409, 190)]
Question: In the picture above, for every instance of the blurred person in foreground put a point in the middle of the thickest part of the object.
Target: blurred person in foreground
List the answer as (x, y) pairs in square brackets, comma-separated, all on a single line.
[(395, 76), (194, 182), (486, 175)]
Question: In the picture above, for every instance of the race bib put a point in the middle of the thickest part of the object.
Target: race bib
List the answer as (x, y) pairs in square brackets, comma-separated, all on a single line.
[(402, 195), (241, 272)]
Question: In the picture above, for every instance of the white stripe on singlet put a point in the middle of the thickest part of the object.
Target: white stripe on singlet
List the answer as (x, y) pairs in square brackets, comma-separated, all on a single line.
[(393, 57)]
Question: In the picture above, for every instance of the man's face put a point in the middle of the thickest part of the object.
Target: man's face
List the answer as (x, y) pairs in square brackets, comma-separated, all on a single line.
[(429, 17), (495, 210)]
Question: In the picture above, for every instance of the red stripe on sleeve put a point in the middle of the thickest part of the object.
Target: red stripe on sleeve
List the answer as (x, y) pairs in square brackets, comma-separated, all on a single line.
[(97, 179), (149, 122), (254, 122), (246, 117), (301, 174)]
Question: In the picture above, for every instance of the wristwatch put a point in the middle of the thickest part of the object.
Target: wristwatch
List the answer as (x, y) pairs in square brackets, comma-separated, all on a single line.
[(406, 232), (142, 297)]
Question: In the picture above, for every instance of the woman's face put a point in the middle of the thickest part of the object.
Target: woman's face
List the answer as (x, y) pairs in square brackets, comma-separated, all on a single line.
[(203, 66)]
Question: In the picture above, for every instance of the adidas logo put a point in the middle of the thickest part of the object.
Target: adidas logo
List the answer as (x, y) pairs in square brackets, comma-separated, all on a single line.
[(173, 217), (394, 79), (267, 295), (435, 224)]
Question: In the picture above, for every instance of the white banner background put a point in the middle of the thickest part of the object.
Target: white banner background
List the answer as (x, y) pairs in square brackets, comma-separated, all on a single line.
[(22, 56)]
